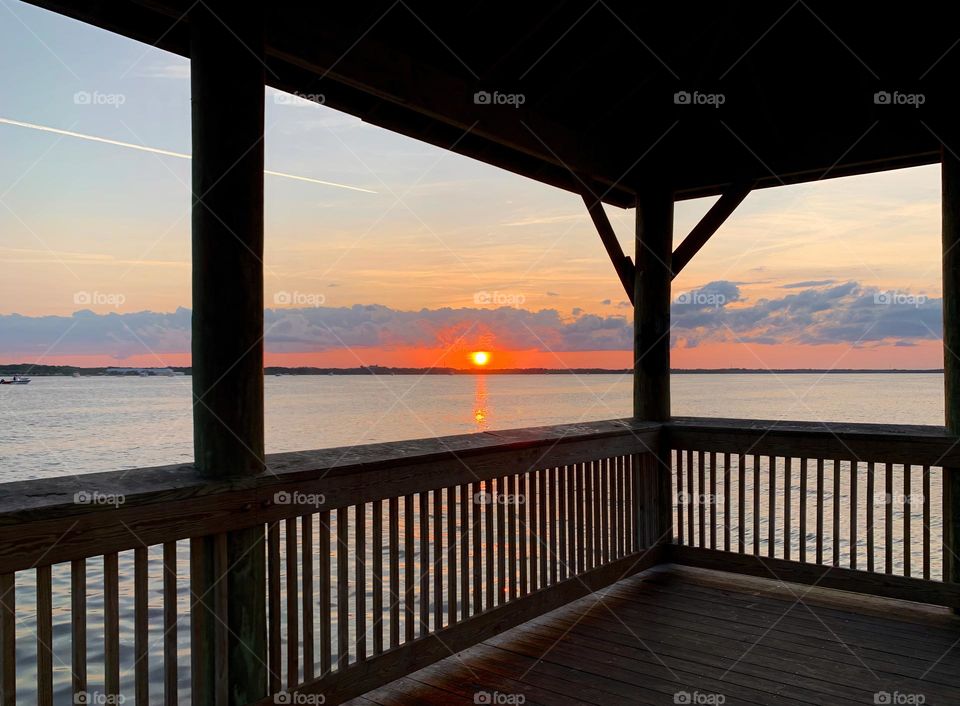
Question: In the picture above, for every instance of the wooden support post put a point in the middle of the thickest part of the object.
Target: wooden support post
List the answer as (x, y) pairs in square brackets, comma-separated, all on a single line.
[(708, 225), (950, 204), (651, 351), (621, 263), (227, 87)]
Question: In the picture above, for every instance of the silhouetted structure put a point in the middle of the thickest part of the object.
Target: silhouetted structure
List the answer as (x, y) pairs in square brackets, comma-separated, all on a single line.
[(628, 104)]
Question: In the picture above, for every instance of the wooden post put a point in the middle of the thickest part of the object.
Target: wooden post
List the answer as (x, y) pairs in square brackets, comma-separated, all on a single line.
[(950, 204), (229, 646), (651, 350)]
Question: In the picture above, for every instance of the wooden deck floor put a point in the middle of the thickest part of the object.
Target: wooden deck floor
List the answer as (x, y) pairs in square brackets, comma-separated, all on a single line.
[(676, 635)]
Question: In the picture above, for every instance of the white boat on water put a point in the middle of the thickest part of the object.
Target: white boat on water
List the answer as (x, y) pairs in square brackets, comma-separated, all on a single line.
[(16, 380)]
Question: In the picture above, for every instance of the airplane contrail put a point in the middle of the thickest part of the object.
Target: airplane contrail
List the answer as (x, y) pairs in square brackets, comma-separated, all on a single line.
[(168, 153)]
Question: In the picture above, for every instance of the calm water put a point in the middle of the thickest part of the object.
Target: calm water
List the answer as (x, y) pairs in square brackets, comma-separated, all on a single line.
[(61, 426)]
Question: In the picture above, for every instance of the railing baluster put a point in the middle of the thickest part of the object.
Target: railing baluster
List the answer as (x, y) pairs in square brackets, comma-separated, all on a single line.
[(615, 486), (690, 500), (463, 539), (501, 508), (452, 565), (111, 625), (45, 636), (772, 506), (476, 526), (511, 537), (324, 578), (437, 564), (713, 500), (756, 504), (488, 520), (542, 509), (8, 637), (409, 586), (170, 695), (561, 523), (424, 564), (393, 540), (531, 529), (700, 499), (802, 538), (907, 509), (820, 501), (601, 506), (273, 600), (725, 459), (926, 522), (306, 559), (871, 500), (141, 635), (343, 590), (787, 505), (888, 519), (571, 474), (552, 520), (376, 554), (590, 515), (854, 472), (524, 499), (581, 474), (742, 503), (293, 641), (681, 499), (836, 513), (360, 571), (78, 625)]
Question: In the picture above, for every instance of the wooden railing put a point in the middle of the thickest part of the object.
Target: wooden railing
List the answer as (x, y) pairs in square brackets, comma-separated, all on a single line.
[(786, 499), (380, 559)]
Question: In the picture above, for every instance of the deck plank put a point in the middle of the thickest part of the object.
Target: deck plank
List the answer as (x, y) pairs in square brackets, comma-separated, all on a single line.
[(648, 638)]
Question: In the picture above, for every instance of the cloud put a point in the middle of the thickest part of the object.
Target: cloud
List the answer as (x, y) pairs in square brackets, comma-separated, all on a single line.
[(807, 284), (318, 329), (553, 294), (848, 313)]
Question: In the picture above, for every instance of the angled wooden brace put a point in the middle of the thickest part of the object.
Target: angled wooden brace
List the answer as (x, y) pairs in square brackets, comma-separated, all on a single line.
[(708, 225), (621, 263)]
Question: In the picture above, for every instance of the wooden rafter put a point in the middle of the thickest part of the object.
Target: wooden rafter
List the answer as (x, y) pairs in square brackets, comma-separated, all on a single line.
[(708, 225), (621, 263)]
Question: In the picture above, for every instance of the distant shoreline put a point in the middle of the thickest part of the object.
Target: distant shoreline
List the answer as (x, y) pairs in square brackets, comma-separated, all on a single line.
[(7, 370)]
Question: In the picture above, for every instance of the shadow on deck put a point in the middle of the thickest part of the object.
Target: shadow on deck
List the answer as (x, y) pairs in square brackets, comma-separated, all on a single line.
[(679, 635)]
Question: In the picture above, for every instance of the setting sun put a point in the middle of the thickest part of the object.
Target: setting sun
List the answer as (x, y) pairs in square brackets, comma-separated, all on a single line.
[(480, 357)]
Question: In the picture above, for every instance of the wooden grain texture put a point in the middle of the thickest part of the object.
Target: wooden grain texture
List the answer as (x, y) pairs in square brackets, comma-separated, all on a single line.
[(875, 584), (78, 625), (376, 553), (171, 696), (141, 626), (274, 637), (392, 664), (8, 638), (62, 530), (111, 624), (45, 637)]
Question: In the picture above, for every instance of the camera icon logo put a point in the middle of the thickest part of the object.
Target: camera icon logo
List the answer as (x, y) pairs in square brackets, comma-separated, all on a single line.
[(682, 98), (482, 98), (882, 98)]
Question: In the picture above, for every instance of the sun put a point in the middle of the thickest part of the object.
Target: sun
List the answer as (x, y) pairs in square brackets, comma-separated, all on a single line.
[(480, 358)]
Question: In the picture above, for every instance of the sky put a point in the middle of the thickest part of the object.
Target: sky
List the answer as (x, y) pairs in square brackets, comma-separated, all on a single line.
[(427, 257)]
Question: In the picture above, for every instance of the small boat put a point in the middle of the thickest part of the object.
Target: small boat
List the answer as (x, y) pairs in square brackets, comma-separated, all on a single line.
[(16, 380)]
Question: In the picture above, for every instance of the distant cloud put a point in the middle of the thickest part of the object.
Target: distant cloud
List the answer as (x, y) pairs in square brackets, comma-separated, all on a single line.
[(606, 302), (847, 312), (807, 284), (844, 313), (553, 294)]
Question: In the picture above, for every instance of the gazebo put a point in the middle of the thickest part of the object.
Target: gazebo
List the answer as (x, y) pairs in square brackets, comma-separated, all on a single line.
[(672, 526)]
